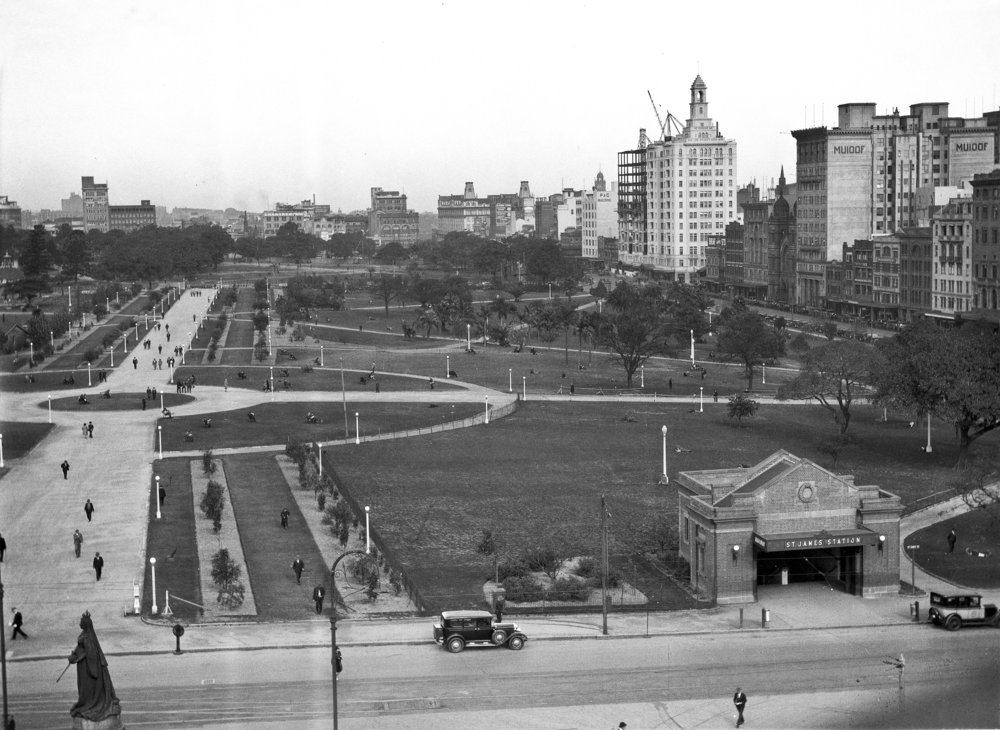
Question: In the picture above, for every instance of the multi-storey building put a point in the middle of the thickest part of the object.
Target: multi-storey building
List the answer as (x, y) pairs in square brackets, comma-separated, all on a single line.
[(283, 213), (951, 232), (95, 205), (875, 174), (502, 214), (10, 212), (465, 213), (130, 218), (915, 278), (675, 192), (72, 207), (546, 210), (781, 227), (986, 246), (569, 211), (599, 216), (389, 219)]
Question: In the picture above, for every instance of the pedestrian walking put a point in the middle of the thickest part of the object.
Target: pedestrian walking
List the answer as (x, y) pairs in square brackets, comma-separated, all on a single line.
[(740, 700), (319, 593), (159, 349), (84, 429), (17, 622), (143, 404), (135, 363), (98, 565), (952, 539), (77, 541), (65, 469), (284, 517), (670, 384), (89, 509), (298, 566), (225, 385), (90, 429), (715, 396), (3, 547)]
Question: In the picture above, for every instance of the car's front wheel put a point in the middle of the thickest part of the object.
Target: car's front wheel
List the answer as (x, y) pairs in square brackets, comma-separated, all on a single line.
[(456, 644), (499, 637), (516, 643), (953, 623)]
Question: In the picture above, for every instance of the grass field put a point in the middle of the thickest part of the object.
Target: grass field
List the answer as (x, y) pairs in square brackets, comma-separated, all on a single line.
[(978, 530), (20, 437), (280, 423), (534, 483), (117, 402)]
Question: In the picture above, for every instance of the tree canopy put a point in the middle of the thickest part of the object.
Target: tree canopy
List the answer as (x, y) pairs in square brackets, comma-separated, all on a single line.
[(744, 335)]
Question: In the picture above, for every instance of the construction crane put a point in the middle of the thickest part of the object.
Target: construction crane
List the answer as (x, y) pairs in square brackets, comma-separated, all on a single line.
[(670, 120)]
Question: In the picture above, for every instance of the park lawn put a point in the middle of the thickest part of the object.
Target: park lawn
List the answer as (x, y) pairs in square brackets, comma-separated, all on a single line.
[(171, 540), (281, 423), (117, 402), (534, 483), (48, 381), (240, 340), (20, 437), (317, 379), (132, 310), (258, 492), (978, 530)]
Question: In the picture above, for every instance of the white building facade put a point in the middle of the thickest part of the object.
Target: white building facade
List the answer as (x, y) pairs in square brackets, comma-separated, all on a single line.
[(599, 216)]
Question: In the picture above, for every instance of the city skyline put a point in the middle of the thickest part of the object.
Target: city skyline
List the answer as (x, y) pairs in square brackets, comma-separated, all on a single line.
[(235, 105)]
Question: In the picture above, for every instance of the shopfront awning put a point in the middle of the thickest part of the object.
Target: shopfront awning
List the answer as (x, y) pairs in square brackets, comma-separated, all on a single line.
[(822, 540)]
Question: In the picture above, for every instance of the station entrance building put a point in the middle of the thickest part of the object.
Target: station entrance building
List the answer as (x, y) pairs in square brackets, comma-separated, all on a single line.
[(786, 520)]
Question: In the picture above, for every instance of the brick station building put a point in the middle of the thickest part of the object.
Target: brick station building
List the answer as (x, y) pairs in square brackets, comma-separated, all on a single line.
[(785, 521)]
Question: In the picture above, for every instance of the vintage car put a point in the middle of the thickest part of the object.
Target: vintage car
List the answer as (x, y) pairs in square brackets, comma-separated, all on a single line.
[(954, 611), (457, 629)]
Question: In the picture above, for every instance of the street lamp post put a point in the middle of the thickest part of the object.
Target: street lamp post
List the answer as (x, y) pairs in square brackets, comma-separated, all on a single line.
[(487, 418), (763, 373), (271, 382), (50, 409), (334, 649), (510, 380), (88, 375), (159, 438), (31, 353), (928, 447), (343, 395), (368, 537), (319, 458), (642, 376), (447, 366), (665, 479), (701, 400), (152, 568), (468, 337), (321, 355), (524, 387), (357, 429), (692, 349), (157, 497), (1, 454)]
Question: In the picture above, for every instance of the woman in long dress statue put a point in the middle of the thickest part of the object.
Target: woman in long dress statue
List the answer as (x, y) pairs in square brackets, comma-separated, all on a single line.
[(97, 700)]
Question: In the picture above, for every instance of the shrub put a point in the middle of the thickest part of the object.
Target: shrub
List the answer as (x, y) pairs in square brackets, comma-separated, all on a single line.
[(586, 568), (212, 503), (307, 368), (395, 582), (328, 515), (742, 406), (92, 355), (568, 589), (524, 589), (297, 452), (226, 575), (512, 569), (542, 559), (321, 501), (208, 464)]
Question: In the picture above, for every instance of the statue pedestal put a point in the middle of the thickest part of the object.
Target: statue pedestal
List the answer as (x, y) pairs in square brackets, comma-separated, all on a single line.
[(109, 723)]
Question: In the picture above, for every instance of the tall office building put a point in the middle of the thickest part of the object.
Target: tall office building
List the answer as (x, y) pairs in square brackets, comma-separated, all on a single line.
[(675, 192), (95, 205), (986, 246), (130, 218), (874, 175), (389, 219), (600, 216)]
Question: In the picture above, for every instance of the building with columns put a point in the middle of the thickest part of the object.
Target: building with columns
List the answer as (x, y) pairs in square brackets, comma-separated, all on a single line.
[(783, 521), (676, 192)]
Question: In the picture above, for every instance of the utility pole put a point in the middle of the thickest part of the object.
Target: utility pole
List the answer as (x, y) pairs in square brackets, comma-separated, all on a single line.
[(604, 567)]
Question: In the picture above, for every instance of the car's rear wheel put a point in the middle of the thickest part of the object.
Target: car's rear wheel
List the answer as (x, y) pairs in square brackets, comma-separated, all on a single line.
[(499, 637), (515, 643), (996, 620), (953, 623), (456, 644)]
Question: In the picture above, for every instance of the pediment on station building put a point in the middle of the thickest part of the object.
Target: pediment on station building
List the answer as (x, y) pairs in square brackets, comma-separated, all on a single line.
[(785, 482)]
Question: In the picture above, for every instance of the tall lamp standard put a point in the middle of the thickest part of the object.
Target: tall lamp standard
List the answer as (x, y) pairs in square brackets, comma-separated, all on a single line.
[(270, 382), (664, 479), (3, 661), (368, 537), (343, 394), (927, 449), (159, 437), (692, 349), (510, 380), (524, 387), (88, 375), (487, 417), (50, 409), (447, 366), (763, 373), (1, 462), (157, 497), (335, 662), (701, 400), (357, 429), (152, 568), (468, 337)]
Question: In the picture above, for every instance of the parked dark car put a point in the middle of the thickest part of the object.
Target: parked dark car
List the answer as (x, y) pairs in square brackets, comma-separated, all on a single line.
[(457, 629), (953, 612)]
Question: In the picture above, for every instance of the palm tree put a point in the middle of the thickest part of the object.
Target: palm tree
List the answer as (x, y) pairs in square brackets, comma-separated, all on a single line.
[(428, 319)]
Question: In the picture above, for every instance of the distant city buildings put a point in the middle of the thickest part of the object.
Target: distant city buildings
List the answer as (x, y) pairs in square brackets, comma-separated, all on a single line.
[(676, 192), (10, 212), (599, 218), (389, 220), (986, 246), (95, 205), (130, 218), (495, 216)]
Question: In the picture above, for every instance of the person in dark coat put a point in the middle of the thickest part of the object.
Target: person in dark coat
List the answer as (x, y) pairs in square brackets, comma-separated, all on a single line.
[(952, 539), (284, 517), (3, 547), (77, 541), (89, 509), (65, 469), (96, 699), (298, 566), (98, 565), (319, 593), (17, 622), (740, 700)]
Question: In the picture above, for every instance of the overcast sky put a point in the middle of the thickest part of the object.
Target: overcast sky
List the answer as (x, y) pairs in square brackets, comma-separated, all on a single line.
[(210, 103)]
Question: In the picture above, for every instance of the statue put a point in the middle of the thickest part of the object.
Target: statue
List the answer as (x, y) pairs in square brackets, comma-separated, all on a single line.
[(97, 701)]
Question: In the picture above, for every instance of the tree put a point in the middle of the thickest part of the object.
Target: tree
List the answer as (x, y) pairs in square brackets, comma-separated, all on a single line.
[(388, 288), (742, 406), (260, 320), (951, 373), (634, 327), (428, 319), (744, 335), (212, 503), (226, 575), (35, 260), (391, 253), (835, 374)]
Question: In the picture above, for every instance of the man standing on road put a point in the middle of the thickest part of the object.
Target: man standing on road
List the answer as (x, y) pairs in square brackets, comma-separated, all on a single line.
[(90, 429), (65, 469), (319, 593), (77, 541), (98, 565), (740, 700), (17, 622), (284, 517), (298, 566), (89, 509), (952, 539)]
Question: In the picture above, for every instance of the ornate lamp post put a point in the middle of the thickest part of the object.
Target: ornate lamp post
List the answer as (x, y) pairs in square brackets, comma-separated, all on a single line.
[(664, 479), (334, 650)]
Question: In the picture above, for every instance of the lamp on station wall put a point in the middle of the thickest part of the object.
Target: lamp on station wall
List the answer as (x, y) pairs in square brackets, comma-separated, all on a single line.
[(736, 553), (881, 543)]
